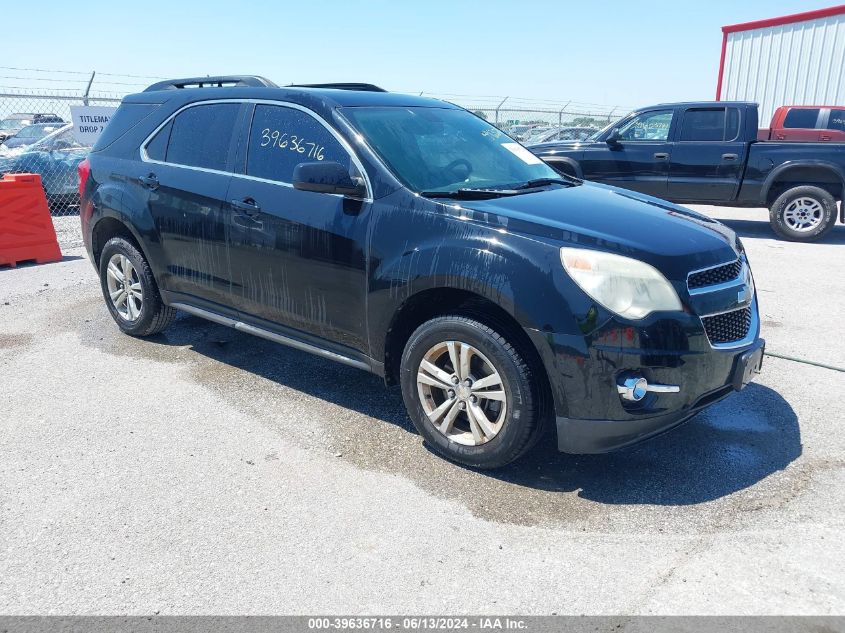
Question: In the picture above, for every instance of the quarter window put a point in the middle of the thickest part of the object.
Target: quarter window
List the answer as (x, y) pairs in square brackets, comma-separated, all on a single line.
[(648, 126), (281, 138), (200, 136), (157, 148), (801, 118)]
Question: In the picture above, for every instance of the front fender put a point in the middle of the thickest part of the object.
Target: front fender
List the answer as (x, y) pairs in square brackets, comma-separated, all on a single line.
[(435, 251)]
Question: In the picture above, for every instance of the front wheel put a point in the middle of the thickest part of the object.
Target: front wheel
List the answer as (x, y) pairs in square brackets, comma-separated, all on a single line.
[(469, 392), (803, 214)]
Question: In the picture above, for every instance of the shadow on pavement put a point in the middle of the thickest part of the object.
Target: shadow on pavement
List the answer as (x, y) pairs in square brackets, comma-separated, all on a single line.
[(731, 446)]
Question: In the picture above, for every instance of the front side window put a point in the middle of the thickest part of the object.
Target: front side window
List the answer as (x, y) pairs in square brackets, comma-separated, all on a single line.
[(281, 138), (201, 135), (837, 120), (445, 149), (648, 126), (801, 118)]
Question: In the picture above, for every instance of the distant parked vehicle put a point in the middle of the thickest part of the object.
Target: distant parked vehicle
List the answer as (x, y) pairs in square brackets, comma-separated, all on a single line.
[(806, 123), (519, 132), (14, 123), (562, 134), (27, 136), (707, 152), (55, 158)]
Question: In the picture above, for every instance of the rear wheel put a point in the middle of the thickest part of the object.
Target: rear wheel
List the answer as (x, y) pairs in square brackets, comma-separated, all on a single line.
[(469, 392), (803, 214), (130, 290)]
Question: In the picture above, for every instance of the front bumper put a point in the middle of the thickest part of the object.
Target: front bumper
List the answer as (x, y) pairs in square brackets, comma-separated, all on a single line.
[(584, 372)]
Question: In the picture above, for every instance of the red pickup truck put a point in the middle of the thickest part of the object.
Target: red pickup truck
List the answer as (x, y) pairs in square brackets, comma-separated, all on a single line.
[(807, 124)]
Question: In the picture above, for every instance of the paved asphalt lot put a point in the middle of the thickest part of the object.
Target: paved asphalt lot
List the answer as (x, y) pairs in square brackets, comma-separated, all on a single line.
[(205, 471)]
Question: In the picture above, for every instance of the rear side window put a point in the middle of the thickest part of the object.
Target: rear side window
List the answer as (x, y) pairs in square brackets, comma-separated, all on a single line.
[(281, 138), (200, 136), (801, 118), (837, 120), (704, 125)]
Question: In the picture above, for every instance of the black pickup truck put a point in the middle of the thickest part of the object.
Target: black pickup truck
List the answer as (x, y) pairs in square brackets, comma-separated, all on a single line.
[(708, 153)]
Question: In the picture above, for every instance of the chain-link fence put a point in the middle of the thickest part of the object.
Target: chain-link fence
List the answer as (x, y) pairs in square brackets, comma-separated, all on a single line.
[(537, 120), (38, 137)]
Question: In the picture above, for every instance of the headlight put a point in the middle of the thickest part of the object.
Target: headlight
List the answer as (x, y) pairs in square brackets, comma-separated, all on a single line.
[(628, 287)]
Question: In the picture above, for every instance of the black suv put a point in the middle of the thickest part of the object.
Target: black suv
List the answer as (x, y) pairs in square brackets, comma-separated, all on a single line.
[(410, 238)]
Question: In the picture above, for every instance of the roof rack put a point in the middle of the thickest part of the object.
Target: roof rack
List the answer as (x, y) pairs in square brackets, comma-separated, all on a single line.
[(342, 86), (221, 81)]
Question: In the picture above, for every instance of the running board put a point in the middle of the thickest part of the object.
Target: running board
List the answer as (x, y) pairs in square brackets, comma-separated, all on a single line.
[(270, 336)]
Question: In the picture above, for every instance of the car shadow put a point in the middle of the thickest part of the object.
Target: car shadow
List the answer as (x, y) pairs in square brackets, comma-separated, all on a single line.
[(762, 229), (729, 447)]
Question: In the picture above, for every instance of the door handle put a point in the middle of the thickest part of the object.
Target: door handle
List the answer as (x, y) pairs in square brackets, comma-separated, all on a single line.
[(824, 137), (661, 155), (729, 156), (247, 206), (150, 181)]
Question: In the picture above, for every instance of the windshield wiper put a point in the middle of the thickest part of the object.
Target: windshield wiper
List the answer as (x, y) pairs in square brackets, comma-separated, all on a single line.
[(542, 182), (471, 194)]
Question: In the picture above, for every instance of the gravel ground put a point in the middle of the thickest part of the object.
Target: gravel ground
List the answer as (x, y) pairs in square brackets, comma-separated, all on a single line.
[(206, 471)]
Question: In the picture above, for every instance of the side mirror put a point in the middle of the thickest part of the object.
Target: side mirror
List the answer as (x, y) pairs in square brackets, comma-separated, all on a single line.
[(613, 139), (327, 177)]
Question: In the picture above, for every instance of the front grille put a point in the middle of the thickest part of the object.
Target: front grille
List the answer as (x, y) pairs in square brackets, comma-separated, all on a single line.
[(727, 327), (713, 276)]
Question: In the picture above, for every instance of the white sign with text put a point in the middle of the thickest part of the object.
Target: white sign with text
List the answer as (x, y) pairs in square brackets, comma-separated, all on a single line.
[(90, 121)]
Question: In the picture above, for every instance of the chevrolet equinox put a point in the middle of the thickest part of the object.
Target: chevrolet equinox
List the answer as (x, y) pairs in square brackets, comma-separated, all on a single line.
[(410, 238)]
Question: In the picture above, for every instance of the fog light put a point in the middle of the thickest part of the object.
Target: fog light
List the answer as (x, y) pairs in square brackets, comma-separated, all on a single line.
[(633, 388)]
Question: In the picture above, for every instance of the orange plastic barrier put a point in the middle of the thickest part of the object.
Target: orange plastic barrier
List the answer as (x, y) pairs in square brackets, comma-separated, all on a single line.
[(26, 229)]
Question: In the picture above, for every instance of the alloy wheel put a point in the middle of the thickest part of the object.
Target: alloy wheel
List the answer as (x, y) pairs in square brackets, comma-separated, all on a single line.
[(124, 286), (462, 393), (803, 214)]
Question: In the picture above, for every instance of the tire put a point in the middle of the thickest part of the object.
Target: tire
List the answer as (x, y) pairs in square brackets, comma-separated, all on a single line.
[(803, 214), (142, 312), (510, 425)]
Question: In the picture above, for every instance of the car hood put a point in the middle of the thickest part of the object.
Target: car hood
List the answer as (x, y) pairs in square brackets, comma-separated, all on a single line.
[(672, 238)]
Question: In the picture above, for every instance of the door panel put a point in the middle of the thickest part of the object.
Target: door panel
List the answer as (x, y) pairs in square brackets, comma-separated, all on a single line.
[(705, 166), (297, 256), (639, 160), (186, 207), (186, 176)]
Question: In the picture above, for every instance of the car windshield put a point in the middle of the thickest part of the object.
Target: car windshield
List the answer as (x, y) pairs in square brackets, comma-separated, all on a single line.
[(36, 131), (13, 124), (446, 149)]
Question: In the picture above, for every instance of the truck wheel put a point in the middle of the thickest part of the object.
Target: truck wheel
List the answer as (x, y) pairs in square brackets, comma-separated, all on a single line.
[(803, 214), (130, 291), (469, 392)]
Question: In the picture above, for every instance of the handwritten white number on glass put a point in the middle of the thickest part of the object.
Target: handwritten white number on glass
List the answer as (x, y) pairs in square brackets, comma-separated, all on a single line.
[(283, 144), (275, 136), (265, 137)]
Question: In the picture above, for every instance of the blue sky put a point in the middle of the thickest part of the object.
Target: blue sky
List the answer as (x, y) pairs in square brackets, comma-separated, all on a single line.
[(607, 52)]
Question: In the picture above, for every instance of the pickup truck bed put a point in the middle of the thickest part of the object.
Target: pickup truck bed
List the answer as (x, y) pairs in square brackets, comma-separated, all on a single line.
[(708, 153)]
